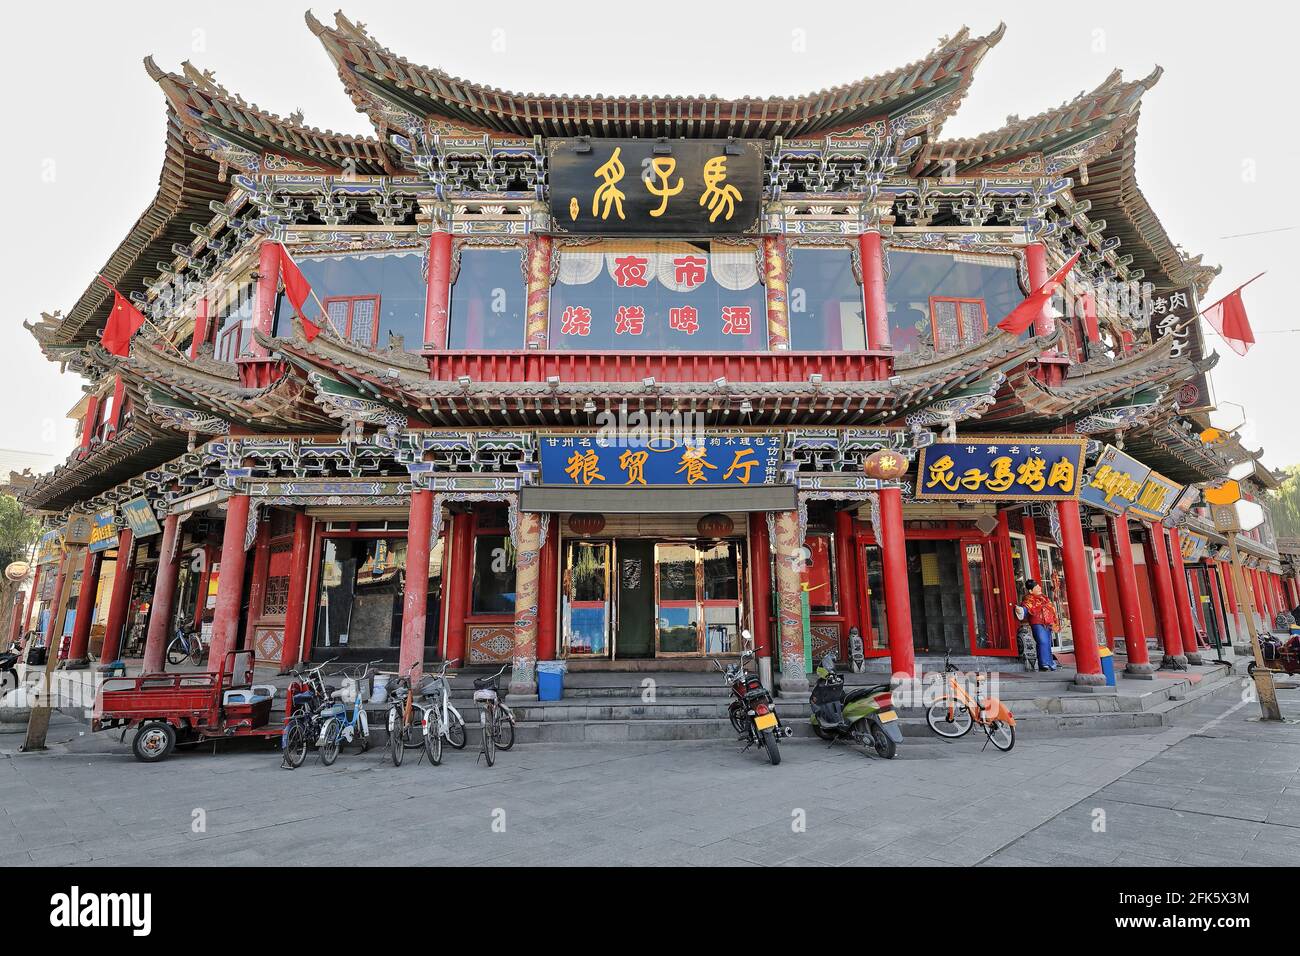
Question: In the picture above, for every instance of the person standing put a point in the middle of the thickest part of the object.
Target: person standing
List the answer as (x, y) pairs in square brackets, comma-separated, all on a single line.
[(1043, 620)]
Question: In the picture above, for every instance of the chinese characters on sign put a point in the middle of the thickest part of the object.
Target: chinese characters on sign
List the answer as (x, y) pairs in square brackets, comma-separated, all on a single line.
[(1157, 497), (1115, 482), (1174, 314), (635, 187), (701, 460), (50, 547), (103, 531), (139, 517), (1006, 468)]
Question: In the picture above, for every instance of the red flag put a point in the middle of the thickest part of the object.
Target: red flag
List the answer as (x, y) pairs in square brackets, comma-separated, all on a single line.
[(297, 289), (123, 322), (1228, 317), (1023, 315)]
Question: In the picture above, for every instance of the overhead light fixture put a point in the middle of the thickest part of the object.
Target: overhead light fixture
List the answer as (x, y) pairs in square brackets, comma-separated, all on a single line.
[(732, 148), (746, 407), (553, 381), (648, 382), (720, 383), (589, 407), (815, 380), (465, 381), (582, 145), (663, 147)]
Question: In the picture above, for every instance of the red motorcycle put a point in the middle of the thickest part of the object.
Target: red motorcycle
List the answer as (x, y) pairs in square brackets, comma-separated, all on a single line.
[(751, 710)]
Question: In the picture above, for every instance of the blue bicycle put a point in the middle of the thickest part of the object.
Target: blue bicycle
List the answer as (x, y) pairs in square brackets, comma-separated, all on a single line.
[(338, 727), (186, 645)]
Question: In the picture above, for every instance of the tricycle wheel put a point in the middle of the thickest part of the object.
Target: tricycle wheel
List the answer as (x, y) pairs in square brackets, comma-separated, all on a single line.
[(153, 741)]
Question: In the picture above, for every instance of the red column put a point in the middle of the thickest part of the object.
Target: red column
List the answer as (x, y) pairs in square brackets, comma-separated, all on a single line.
[(164, 593), (1165, 607), (1031, 545), (88, 423), (548, 591), (257, 581), (79, 647), (16, 622), (200, 326), (1036, 265), (898, 602), (760, 572), (415, 600), (845, 549), (1087, 662), (873, 290), (1010, 587), (459, 579), (1126, 587), (120, 601), (299, 557), (438, 291), (1183, 598), (230, 586), (268, 282)]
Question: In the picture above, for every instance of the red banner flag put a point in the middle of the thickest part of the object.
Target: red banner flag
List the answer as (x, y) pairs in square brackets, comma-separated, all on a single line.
[(1228, 317), (123, 322), (298, 289), (1023, 315)]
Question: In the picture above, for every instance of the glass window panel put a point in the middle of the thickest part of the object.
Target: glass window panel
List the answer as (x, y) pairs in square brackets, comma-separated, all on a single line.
[(494, 575), (488, 300), (722, 630), (721, 572), (392, 281), (658, 295), (361, 589), (915, 278), (825, 301), (876, 599), (588, 569), (820, 574), (676, 565), (679, 629), (234, 323)]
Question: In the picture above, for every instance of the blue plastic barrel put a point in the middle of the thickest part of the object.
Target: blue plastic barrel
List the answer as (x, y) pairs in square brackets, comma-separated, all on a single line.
[(550, 686), (1107, 665)]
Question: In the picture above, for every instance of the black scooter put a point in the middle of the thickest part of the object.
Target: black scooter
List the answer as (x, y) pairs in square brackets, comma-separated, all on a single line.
[(8, 669)]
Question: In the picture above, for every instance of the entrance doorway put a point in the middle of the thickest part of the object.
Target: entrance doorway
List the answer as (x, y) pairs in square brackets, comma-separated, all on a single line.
[(955, 597)]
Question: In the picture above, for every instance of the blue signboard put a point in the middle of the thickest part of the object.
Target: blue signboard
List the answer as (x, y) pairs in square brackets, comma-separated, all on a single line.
[(50, 547), (698, 460), (1114, 482), (103, 531), (139, 517), (1002, 468), (1157, 497)]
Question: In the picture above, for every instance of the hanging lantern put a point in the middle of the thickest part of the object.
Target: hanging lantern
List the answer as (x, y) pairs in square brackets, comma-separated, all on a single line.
[(885, 465), (586, 523), (715, 526)]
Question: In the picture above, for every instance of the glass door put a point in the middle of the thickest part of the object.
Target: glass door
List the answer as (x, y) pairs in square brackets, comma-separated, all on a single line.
[(678, 603), (876, 638), (698, 588), (586, 599), (988, 630)]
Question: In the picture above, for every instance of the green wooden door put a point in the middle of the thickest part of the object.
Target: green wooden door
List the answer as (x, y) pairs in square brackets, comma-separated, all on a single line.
[(636, 599)]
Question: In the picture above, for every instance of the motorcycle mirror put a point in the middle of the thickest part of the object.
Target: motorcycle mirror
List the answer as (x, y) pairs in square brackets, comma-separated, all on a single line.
[(747, 639)]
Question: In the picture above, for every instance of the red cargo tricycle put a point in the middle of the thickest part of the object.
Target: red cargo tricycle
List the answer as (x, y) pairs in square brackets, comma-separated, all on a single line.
[(171, 710)]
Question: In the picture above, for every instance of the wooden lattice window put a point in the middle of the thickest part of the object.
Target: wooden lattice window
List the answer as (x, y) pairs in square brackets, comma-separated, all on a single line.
[(356, 317), (957, 322), (276, 601)]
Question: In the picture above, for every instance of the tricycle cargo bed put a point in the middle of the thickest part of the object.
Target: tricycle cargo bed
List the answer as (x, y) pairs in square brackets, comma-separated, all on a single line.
[(155, 695)]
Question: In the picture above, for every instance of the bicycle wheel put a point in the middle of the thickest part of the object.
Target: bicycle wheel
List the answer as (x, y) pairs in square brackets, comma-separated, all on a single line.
[(949, 717), (176, 653), (361, 738), (489, 738), (1001, 734), (329, 741), (395, 731), (197, 652), (456, 735), (433, 738), (503, 734), (295, 746)]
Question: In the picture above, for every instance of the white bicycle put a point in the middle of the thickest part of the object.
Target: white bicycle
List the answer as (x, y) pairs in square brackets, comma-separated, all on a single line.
[(439, 716)]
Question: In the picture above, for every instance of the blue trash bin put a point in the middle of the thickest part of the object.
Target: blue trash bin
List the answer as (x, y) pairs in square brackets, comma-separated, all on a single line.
[(550, 682), (1107, 665)]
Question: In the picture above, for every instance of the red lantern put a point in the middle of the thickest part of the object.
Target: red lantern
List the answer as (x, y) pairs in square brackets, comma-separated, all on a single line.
[(586, 524), (885, 465), (715, 526)]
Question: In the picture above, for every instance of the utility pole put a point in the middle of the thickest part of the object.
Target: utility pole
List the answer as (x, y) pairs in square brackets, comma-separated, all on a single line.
[(1227, 522)]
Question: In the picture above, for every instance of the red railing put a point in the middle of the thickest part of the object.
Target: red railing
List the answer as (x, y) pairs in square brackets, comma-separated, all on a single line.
[(633, 366)]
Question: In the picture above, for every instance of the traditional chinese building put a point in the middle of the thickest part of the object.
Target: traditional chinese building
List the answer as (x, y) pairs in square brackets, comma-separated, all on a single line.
[(616, 379)]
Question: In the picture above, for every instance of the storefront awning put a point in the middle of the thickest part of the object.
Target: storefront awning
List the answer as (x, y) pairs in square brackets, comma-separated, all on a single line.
[(659, 500)]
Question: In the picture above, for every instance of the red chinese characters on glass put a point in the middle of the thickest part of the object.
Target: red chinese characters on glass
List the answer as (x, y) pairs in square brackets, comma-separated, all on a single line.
[(576, 320), (684, 319), (688, 271), (630, 271), (629, 320), (736, 320)]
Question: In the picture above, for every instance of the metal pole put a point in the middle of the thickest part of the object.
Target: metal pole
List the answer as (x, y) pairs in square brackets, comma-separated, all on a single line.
[(1268, 706)]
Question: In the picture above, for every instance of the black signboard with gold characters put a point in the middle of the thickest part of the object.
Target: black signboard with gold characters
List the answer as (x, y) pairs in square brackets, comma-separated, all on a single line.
[(642, 187)]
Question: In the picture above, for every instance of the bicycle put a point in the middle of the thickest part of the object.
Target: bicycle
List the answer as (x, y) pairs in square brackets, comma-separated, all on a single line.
[(186, 645), (496, 720), (401, 726), (442, 721), (953, 715), (307, 692), (340, 728)]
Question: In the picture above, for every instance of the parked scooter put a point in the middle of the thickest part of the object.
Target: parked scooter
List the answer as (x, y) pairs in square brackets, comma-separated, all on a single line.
[(8, 664), (864, 715), (751, 710)]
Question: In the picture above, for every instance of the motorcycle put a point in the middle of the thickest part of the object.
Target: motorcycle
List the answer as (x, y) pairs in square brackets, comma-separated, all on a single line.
[(751, 710), (864, 715), (8, 672)]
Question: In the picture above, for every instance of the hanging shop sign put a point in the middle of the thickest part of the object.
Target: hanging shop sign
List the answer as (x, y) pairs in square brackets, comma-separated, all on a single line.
[(77, 530), (1157, 497), (1005, 468), (139, 517), (702, 460), (1114, 482), (1174, 314), (1194, 546), (50, 547), (640, 187), (103, 531)]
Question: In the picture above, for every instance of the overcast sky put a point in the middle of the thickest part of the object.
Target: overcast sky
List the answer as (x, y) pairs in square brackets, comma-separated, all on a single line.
[(83, 123)]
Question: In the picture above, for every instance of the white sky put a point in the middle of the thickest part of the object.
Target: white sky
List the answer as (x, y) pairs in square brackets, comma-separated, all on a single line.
[(84, 123)]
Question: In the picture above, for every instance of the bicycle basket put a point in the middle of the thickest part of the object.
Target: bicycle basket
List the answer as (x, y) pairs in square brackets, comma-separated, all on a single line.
[(485, 693), (482, 682), (429, 687)]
